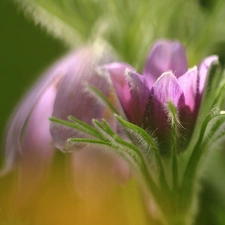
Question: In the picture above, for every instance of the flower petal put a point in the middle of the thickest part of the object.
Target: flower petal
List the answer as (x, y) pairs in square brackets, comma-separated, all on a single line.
[(117, 73), (139, 95), (165, 89), (164, 56), (188, 83), (189, 110), (73, 97), (37, 146), (203, 70), (18, 120), (131, 88)]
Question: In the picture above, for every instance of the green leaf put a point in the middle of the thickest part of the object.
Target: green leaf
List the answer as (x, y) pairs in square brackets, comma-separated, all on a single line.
[(117, 142), (89, 141), (199, 150), (85, 127), (81, 126), (123, 146), (147, 145)]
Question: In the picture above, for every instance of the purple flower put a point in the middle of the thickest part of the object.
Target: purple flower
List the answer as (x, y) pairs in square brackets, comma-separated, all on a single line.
[(165, 78), (62, 91)]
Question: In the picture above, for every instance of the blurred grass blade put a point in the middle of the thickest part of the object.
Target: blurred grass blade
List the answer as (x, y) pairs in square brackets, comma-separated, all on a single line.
[(79, 21), (69, 20)]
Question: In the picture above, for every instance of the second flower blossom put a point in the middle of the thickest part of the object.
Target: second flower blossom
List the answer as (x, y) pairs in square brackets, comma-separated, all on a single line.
[(166, 78)]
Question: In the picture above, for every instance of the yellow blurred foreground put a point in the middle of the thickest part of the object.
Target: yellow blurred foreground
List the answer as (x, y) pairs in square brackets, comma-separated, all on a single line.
[(58, 201)]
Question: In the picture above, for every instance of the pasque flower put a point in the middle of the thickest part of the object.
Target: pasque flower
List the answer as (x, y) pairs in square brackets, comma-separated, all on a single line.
[(63, 91), (166, 78)]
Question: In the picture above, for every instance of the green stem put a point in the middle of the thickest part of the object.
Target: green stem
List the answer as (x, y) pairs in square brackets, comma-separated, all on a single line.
[(174, 134)]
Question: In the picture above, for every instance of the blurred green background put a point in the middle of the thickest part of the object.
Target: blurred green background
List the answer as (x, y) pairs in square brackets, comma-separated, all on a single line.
[(26, 51)]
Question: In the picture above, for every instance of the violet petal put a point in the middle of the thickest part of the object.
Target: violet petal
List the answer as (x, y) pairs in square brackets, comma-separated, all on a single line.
[(37, 146), (139, 94), (188, 83), (165, 89), (203, 70), (74, 99), (18, 120), (117, 72), (164, 56)]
